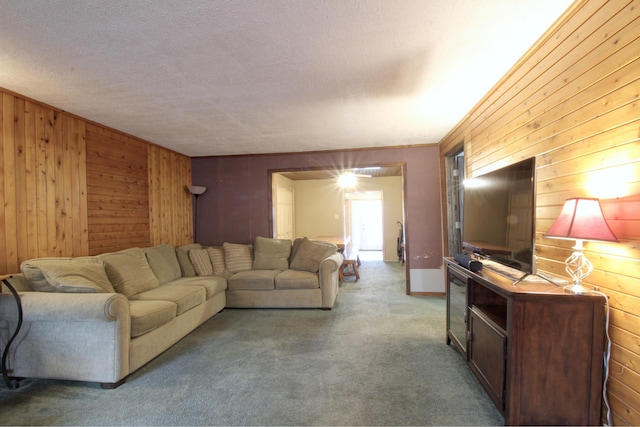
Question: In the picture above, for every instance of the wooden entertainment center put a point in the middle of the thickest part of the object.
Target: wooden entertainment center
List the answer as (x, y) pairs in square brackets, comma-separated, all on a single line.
[(537, 350)]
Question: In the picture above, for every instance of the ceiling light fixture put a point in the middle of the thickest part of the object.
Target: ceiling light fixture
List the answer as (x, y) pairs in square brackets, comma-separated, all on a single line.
[(347, 180)]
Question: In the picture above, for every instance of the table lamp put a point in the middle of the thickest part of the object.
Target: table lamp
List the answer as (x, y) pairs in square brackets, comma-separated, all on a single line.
[(580, 219)]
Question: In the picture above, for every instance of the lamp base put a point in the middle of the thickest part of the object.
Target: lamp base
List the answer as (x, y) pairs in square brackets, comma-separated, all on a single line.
[(578, 267), (577, 290)]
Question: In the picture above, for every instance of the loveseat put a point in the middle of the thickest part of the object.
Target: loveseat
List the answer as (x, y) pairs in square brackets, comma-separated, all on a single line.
[(100, 318)]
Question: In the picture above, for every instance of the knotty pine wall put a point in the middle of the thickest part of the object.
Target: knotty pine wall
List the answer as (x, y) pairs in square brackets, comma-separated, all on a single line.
[(572, 102), (71, 187)]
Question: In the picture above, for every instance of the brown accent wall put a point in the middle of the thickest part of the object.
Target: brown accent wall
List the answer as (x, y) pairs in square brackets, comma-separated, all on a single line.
[(236, 206), (71, 187), (572, 102)]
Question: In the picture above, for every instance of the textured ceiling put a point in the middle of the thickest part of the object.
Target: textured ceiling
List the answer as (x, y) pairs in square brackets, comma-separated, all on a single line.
[(267, 76)]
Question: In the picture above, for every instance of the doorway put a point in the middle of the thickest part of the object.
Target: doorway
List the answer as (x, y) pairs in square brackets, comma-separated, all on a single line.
[(365, 221), (319, 207), (455, 174), (284, 213)]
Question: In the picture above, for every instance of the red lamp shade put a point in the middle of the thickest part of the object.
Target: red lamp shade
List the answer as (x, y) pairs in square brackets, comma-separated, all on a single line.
[(581, 219)]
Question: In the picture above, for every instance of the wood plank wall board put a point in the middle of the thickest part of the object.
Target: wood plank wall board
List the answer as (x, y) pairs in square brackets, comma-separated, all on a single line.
[(42, 172), (73, 187), (118, 188), (170, 201), (572, 102), (595, 86)]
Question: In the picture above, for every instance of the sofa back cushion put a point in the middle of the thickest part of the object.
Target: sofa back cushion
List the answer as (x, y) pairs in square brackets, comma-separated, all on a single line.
[(129, 272), (307, 254), (271, 254), (82, 275), (237, 257), (186, 267), (163, 261)]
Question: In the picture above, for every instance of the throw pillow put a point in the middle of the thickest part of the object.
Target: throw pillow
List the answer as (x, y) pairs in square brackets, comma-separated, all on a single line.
[(310, 253), (237, 257), (78, 277), (201, 262), (216, 255), (34, 276), (81, 275), (271, 254), (186, 267)]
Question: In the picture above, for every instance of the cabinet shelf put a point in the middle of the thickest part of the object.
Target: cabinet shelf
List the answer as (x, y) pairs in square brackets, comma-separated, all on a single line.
[(496, 313)]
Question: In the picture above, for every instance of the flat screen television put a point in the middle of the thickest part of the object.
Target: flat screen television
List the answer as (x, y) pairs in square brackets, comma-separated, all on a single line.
[(499, 215)]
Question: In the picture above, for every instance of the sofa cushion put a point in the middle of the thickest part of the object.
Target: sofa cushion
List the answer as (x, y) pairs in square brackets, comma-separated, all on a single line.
[(186, 266), (216, 255), (213, 284), (252, 279), (186, 297), (271, 254), (237, 257), (309, 254), (163, 261), (81, 275), (201, 262), (296, 279), (129, 272), (149, 315)]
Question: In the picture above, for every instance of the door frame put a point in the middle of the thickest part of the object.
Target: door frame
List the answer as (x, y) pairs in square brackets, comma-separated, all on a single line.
[(336, 169)]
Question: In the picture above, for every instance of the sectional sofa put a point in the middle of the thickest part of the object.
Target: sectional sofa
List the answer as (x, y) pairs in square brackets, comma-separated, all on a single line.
[(100, 318)]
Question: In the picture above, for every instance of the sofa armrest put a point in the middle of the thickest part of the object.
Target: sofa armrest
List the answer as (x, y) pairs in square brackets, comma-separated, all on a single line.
[(328, 278), (332, 262), (71, 336), (51, 306)]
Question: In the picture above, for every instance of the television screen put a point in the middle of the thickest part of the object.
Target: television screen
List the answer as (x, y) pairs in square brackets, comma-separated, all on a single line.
[(498, 215)]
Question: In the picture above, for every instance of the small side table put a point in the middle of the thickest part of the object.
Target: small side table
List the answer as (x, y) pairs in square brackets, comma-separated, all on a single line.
[(11, 382)]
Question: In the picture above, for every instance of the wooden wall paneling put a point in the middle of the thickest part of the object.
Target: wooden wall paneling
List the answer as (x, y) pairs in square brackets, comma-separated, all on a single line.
[(604, 102), (20, 174), (54, 202), (623, 381), (8, 260), (39, 205), (72, 187), (75, 156), (117, 190), (4, 130), (554, 83), (170, 202), (572, 102), (41, 183), (485, 116), (30, 148), (155, 205), (183, 210)]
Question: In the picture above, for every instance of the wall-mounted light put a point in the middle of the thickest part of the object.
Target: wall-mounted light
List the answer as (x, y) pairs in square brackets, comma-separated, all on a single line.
[(580, 219), (196, 190)]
